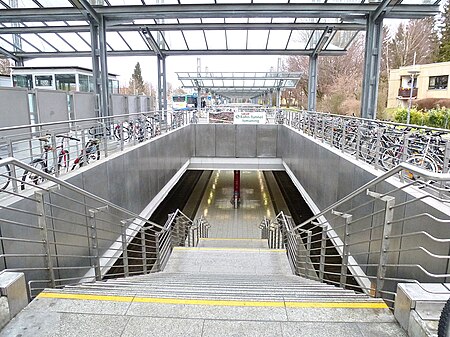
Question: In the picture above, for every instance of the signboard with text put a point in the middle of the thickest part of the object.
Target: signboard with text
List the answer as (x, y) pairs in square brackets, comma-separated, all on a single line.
[(250, 117)]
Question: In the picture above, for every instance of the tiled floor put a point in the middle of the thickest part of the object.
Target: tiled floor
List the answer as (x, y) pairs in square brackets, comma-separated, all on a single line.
[(227, 222)]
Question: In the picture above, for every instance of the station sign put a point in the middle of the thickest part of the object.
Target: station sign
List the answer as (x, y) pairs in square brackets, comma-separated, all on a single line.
[(250, 117)]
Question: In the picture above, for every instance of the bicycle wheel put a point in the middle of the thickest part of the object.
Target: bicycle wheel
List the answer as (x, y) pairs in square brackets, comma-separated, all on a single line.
[(125, 133), (92, 151), (391, 156), (63, 161), (424, 162), (367, 150), (31, 178), (444, 321), (5, 177)]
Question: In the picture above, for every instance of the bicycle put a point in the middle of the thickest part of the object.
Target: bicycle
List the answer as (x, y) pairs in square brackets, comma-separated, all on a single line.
[(42, 163), (444, 321), (5, 176), (90, 152)]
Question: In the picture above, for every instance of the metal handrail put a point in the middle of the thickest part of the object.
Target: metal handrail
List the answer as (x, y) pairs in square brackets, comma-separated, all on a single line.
[(13, 161), (402, 166)]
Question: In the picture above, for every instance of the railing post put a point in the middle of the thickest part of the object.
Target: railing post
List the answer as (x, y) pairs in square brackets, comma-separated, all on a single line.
[(296, 255), (378, 148), (12, 167), (405, 146), (83, 147), (323, 253), (122, 141), (344, 131), (105, 138), (42, 223), (158, 254), (385, 239), (143, 251), (126, 270), (93, 240), (358, 141), (308, 250), (54, 155), (347, 220), (323, 128)]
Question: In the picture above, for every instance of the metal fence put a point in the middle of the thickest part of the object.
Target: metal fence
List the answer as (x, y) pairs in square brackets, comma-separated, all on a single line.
[(381, 144), (61, 147), (378, 235)]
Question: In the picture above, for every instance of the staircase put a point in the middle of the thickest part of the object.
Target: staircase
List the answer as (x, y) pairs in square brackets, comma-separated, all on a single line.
[(221, 288)]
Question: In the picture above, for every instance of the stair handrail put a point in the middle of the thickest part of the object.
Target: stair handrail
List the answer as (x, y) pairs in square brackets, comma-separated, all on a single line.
[(15, 162), (397, 169)]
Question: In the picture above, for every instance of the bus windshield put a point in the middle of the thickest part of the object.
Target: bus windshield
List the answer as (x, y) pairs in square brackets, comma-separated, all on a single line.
[(179, 98)]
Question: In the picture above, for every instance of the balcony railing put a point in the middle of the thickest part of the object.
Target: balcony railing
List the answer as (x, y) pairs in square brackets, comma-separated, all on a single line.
[(406, 92)]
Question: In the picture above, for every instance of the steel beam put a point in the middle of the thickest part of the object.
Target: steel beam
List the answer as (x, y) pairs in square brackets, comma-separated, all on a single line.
[(372, 59), (95, 67), (93, 14), (186, 26), (240, 52), (104, 97), (309, 10), (312, 83), (162, 85)]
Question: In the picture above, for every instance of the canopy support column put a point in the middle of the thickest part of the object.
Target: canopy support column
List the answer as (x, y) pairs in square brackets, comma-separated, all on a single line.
[(312, 83), (162, 85), (99, 67), (372, 59)]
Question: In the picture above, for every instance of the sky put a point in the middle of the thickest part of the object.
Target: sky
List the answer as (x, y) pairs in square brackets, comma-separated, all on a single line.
[(124, 66)]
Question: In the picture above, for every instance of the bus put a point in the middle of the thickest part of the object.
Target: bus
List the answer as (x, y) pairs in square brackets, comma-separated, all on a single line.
[(184, 102)]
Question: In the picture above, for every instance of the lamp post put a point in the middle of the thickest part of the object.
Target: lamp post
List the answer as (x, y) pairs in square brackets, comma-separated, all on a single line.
[(412, 73)]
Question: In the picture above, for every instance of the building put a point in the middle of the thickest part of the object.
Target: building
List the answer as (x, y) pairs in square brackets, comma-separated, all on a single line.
[(429, 81), (59, 78), (5, 81)]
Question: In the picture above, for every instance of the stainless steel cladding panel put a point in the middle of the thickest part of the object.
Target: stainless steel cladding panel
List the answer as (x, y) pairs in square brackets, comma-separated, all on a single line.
[(15, 110), (119, 105), (205, 137), (266, 141), (133, 104), (226, 140), (52, 107), (246, 141), (84, 105)]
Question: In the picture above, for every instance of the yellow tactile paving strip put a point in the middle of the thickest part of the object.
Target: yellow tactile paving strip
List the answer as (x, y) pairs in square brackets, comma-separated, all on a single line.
[(176, 301)]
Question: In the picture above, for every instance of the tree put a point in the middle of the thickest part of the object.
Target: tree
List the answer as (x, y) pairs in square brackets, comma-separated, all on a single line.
[(136, 82), (415, 39), (5, 65), (444, 45)]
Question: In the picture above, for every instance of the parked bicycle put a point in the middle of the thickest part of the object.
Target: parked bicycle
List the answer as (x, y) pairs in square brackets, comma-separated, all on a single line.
[(5, 176), (91, 152), (43, 163)]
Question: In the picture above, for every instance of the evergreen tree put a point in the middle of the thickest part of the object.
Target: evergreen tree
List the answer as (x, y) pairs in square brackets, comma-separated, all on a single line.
[(136, 82), (444, 46)]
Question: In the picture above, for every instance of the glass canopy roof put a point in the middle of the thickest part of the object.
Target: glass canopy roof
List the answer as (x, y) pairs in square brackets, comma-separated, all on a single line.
[(43, 28), (239, 83)]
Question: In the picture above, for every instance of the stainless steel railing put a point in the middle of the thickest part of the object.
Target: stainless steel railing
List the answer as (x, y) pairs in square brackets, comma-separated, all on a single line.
[(383, 233), (60, 147), (381, 144), (64, 235), (179, 230)]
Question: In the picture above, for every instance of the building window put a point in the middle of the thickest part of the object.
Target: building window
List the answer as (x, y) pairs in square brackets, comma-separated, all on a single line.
[(65, 82), (43, 81), (438, 82), (22, 81)]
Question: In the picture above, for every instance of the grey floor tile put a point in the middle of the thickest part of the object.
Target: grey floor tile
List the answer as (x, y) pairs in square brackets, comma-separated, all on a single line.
[(340, 315), (297, 329), (214, 328), (381, 330), (163, 327), (207, 312), (86, 307), (79, 325)]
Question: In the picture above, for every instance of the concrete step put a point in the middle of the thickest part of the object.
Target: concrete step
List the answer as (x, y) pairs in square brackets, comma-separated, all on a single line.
[(233, 243)]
